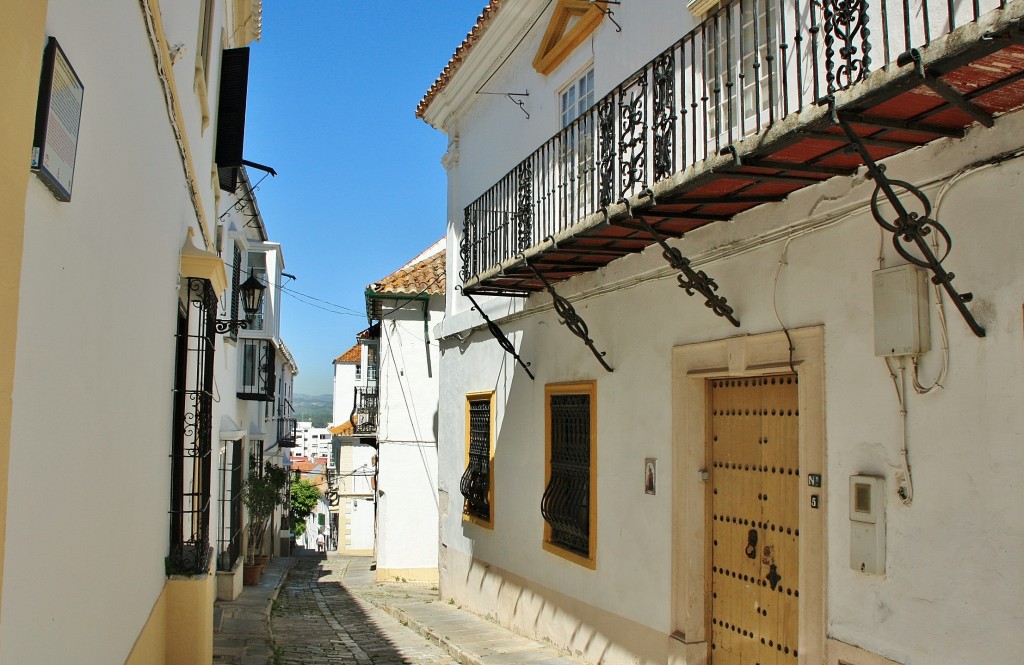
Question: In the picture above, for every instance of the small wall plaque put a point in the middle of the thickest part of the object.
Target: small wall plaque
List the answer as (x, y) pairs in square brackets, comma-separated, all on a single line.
[(650, 475), (58, 115)]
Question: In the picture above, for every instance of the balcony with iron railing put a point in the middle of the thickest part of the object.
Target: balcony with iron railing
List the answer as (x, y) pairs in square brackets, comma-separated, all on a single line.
[(286, 424), (761, 99), (364, 410), (257, 372)]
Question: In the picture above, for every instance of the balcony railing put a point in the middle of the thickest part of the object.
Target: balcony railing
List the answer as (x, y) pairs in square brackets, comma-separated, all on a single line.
[(286, 425), (257, 372), (364, 410), (747, 66)]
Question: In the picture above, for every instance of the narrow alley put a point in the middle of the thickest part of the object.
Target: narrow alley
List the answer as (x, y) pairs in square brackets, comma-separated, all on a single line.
[(319, 617), (331, 610)]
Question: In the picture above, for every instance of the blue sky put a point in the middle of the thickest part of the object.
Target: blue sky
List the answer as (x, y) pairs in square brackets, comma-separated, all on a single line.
[(333, 88)]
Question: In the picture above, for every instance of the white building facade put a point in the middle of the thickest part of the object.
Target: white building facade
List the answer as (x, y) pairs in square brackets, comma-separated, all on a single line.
[(406, 307), (112, 284), (354, 506), (765, 464)]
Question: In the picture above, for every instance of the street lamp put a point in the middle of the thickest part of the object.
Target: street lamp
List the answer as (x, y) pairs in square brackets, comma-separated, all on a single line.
[(251, 291)]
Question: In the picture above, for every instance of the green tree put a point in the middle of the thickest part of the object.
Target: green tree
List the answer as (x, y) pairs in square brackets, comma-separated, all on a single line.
[(262, 492), (305, 496)]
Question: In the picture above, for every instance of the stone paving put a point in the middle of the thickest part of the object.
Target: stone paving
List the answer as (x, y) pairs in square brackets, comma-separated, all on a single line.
[(316, 619), (329, 610), (240, 626)]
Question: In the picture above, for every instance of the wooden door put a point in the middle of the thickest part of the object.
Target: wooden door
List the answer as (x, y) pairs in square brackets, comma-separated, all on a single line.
[(754, 520)]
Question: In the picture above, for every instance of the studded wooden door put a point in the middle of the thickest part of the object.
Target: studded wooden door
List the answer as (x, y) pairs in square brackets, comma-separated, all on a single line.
[(754, 521)]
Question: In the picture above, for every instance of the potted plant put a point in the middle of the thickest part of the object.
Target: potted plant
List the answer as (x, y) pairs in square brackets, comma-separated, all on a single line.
[(262, 492)]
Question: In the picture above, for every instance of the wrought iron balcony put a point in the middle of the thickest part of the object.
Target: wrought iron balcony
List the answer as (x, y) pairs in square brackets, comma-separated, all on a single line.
[(286, 425), (364, 410), (750, 106), (257, 374)]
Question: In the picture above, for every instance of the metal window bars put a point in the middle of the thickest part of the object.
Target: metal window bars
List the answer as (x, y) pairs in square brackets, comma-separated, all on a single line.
[(475, 482), (565, 505), (193, 429), (229, 544)]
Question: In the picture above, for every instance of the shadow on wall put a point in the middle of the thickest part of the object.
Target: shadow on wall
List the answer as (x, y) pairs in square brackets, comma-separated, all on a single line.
[(526, 610)]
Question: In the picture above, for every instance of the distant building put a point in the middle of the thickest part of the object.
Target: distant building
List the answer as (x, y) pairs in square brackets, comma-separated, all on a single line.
[(313, 443)]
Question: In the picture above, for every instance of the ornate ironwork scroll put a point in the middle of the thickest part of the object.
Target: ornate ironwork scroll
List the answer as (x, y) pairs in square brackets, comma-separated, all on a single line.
[(499, 335), (566, 501), (664, 119), (846, 21), (191, 452), (570, 318), (633, 134), (911, 229), (476, 480), (464, 247), (606, 150), (692, 281), (524, 206)]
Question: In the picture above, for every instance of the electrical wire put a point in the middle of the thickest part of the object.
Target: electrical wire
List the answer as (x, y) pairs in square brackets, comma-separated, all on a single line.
[(906, 489), (775, 301)]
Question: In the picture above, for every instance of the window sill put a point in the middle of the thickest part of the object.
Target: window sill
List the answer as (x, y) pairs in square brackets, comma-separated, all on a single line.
[(587, 562)]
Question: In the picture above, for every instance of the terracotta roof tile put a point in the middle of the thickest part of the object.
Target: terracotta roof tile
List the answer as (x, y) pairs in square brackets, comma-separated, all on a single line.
[(460, 54), (344, 429), (353, 355), (426, 276)]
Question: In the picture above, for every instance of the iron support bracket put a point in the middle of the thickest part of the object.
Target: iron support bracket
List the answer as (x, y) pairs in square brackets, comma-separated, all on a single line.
[(570, 318), (499, 335), (692, 281), (910, 228), (943, 89)]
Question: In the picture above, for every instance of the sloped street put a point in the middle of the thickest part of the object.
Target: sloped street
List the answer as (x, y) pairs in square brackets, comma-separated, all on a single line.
[(317, 619)]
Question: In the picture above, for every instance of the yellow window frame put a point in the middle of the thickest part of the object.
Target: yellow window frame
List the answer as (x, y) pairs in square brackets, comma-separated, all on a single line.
[(573, 388)]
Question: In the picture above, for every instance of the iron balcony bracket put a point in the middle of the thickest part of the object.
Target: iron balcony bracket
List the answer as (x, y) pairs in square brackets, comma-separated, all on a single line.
[(499, 335), (570, 318), (943, 89), (692, 281), (910, 228), (230, 326)]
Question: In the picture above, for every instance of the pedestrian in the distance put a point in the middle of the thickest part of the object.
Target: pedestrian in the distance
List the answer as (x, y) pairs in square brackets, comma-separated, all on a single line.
[(320, 542)]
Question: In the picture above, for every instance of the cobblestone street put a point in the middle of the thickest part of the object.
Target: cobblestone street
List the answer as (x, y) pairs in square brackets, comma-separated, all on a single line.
[(317, 620)]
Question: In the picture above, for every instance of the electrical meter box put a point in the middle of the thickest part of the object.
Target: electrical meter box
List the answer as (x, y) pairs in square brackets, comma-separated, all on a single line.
[(901, 311), (867, 524)]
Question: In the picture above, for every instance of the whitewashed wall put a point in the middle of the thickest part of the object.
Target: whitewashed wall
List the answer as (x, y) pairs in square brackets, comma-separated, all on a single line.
[(407, 436), (954, 581), (343, 391), (494, 135), (87, 511)]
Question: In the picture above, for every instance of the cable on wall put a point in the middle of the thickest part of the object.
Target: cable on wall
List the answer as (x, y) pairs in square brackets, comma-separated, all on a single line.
[(906, 490)]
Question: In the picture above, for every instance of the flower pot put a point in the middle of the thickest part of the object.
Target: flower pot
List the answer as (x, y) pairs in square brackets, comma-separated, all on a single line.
[(260, 560), (251, 574)]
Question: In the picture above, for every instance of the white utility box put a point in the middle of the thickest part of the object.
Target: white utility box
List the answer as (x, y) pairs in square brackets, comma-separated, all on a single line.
[(901, 311), (867, 524)]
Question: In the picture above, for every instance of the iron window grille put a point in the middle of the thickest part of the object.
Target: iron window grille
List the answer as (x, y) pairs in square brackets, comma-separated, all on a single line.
[(476, 483), (569, 497), (258, 379), (192, 432), (229, 545)]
